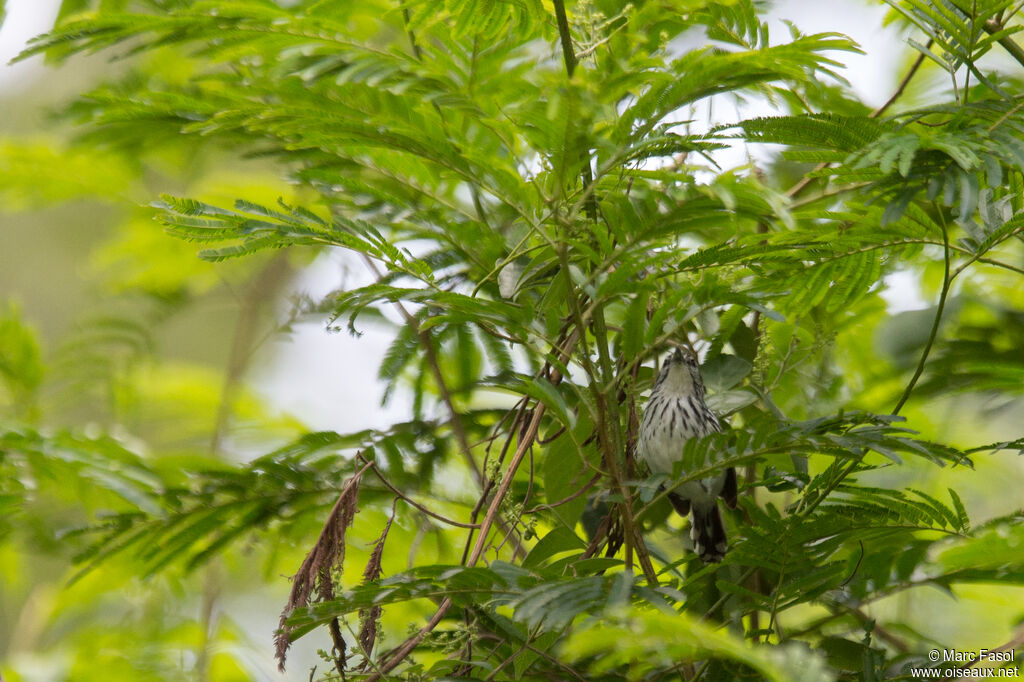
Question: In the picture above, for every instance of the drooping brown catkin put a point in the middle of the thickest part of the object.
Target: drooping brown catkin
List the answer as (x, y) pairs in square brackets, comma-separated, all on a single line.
[(314, 577), (369, 617)]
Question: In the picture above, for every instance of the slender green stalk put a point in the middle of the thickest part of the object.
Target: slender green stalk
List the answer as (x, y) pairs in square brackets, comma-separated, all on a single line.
[(946, 281)]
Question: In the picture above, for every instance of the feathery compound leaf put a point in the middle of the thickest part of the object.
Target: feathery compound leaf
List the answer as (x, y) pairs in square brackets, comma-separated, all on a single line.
[(702, 73), (482, 19), (963, 523), (820, 131), (280, 229), (836, 284), (553, 605), (640, 641)]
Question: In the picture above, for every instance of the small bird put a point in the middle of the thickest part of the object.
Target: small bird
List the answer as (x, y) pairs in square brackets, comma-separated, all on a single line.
[(674, 414)]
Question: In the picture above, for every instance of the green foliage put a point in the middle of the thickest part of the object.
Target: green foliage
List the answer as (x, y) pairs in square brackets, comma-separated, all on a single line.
[(644, 642), (21, 366), (541, 211)]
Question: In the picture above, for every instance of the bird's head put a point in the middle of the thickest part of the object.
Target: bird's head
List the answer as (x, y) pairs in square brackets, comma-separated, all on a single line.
[(681, 374)]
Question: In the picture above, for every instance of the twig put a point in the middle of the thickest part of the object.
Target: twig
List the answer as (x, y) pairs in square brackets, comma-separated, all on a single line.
[(435, 369), (999, 264), (609, 437), (565, 37), (432, 514), (406, 20), (481, 541), (946, 280), (856, 566), (992, 27), (506, 482), (570, 58), (883, 634), (1005, 116), (541, 653), (401, 652), (565, 500), (520, 411), (497, 669), (903, 83), (526, 441), (721, 600), (417, 52), (259, 291), (562, 349)]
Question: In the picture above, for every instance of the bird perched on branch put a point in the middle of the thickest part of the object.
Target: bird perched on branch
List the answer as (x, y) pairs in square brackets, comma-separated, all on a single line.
[(675, 413)]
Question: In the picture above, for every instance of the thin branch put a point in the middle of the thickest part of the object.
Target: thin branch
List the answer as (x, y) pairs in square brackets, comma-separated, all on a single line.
[(609, 437), (401, 652), (550, 659), (455, 420), (773, 623), (1005, 116), (520, 412), (903, 83), (946, 280), (721, 600), (541, 653), (992, 27), (417, 52), (497, 669), (432, 514), (260, 290), (565, 500), (571, 60), (490, 519), (1000, 264), (1016, 643), (565, 37), (435, 369), (411, 643), (854, 463), (406, 20), (506, 482), (882, 632)]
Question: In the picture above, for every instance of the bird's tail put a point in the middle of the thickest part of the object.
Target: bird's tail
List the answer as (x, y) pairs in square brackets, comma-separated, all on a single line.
[(708, 533)]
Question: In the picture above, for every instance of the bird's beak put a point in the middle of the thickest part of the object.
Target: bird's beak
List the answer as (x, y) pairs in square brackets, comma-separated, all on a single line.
[(677, 356)]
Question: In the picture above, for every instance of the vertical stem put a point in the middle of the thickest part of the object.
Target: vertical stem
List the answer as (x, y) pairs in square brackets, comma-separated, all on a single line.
[(617, 443), (208, 620), (566, 38), (260, 290), (406, 18), (569, 56), (455, 420), (609, 437), (946, 281)]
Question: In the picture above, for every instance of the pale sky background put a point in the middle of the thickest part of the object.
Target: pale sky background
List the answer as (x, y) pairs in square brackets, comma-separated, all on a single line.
[(25, 18), (323, 378)]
